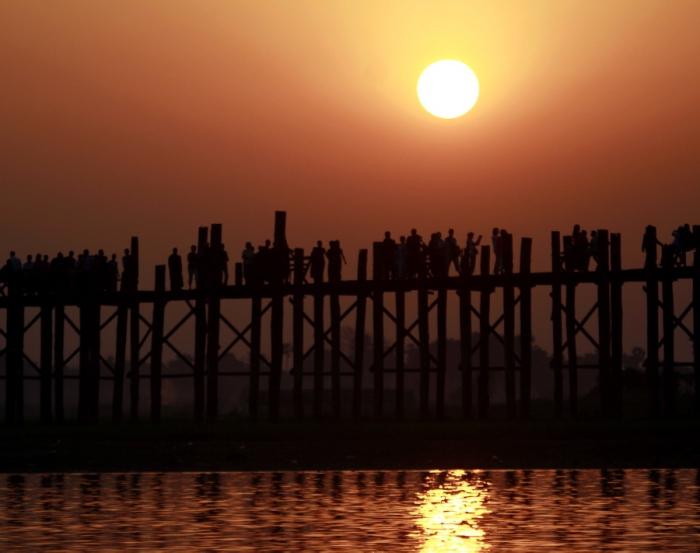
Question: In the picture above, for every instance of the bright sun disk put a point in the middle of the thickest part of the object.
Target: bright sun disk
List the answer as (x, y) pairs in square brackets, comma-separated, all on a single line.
[(448, 89)]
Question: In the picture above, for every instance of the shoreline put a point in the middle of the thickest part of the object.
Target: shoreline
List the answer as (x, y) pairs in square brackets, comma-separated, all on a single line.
[(390, 445)]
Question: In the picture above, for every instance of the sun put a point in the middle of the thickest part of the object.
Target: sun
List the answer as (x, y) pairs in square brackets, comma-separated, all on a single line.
[(448, 89)]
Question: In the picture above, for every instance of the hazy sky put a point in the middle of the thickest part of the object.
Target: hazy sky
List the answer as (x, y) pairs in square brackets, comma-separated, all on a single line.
[(150, 118)]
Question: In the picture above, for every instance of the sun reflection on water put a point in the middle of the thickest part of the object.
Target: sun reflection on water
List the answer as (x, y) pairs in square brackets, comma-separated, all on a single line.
[(449, 511)]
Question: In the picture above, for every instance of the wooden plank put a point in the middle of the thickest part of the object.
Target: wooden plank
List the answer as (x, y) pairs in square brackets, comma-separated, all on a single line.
[(509, 325), (603, 291), (484, 338), (360, 313), (525, 329), (134, 338), (441, 352), (616, 348), (652, 316), (119, 362), (46, 345), (571, 353), (214, 323), (200, 331), (400, 351), (58, 345), (298, 333), (557, 340), (669, 377), (465, 340), (157, 331), (378, 274)]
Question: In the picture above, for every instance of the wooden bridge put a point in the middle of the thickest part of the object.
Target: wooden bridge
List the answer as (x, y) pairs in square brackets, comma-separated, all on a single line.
[(143, 332)]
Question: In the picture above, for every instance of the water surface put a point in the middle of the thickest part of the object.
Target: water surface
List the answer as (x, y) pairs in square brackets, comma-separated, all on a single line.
[(450, 510)]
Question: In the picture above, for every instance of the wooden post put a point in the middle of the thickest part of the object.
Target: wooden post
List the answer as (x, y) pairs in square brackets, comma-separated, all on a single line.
[(525, 327), (465, 341), (255, 331), (669, 377), (441, 351), (378, 275), (95, 358), (276, 348), (509, 325), (238, 278), (200, 330), (360, 313), (572, 357), (157, 332), (616, 350), (298, 332), (58, 345), (484, 334), (557, 361), (45, 362), (280, 234), (400, 350), (652, 307), (14, 385), (119, 362), (214, 322), (335, 350), (696, 317), (319, 350), (134, 337), (604, 380), (84, 360), (424, 347)]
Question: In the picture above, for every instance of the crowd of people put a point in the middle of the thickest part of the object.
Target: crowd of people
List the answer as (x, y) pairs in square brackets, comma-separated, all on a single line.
[(579, 248), (86, 271)]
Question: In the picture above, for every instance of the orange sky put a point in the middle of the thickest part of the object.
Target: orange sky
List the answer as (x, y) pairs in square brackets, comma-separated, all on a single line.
[(150, 118)]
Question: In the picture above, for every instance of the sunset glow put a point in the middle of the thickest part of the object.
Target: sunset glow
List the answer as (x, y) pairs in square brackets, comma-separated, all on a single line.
[(448, 89)]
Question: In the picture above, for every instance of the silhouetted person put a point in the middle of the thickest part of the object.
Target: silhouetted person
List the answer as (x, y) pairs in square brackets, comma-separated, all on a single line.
[(248, 257), (112, 273), (452, 250), (388, 255), (264, 265), (401, 259), (335, 261), (191, 266), (14, 264), (223, 261), (438, 255), (317, 262), (175, 271), (581, 250), (594, 246), (649, 243), (128, 271), (497, 251), (414, 261), (471, 250)]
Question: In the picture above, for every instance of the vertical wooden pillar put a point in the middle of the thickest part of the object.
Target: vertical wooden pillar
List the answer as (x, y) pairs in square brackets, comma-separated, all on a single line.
[(200, 330), (298, 332), (441, 351), (280, 233), (669, 377), (423, 347), (603, 288), (652, 301), (255, 331), (360, 313), (616, 350), (58, 356), (525, 327), (319, 350), (95, 358), (157, 331), (465, 342), (484, 334), (276, 349), (214, 322), (509, 325), (134, 337), (238, 274), (400, 349), (572, 356), (14, 385), (378, 275), (557, 361), (45, 362), (335, 350), (84, 360), (696, 317), (119, 362)]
